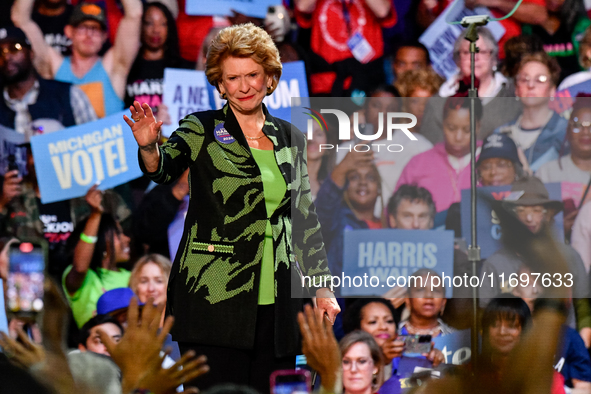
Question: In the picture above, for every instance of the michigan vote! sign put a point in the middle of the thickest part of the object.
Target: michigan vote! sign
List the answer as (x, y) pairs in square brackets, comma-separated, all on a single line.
[(70, 161)]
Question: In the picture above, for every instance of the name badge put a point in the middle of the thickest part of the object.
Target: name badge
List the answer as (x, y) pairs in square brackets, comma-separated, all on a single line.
[(360, 48), (222, 135)]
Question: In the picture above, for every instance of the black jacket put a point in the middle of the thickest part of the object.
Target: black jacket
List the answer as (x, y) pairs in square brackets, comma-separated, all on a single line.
[(213, 286)]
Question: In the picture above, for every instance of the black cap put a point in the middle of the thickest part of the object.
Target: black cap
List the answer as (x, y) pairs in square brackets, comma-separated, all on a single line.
[(14, 34), (498, 146), (88, 12)]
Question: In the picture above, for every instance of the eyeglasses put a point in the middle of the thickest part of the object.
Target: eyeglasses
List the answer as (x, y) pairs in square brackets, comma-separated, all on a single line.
[(578, 126), (426, 292), (12, 49), (483, 53), (362, 363), (524, 212), (503, 165), (537, 80), (89, 30)]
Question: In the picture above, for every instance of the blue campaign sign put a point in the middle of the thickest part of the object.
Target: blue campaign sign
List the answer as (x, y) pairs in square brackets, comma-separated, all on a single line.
[(293, 84), (455, 347), (70, 161), (255, 8), (488, 225), (185, 92), (3, 319), (388, 254), (565, 98)]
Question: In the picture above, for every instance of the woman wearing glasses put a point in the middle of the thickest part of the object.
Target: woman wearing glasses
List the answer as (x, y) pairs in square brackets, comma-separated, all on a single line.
[(493, 87), (363, 363), (538, 132), (575, 166)]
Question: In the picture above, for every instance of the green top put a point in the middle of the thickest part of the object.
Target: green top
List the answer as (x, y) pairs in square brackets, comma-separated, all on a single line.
[(274, 188), (83, 301)]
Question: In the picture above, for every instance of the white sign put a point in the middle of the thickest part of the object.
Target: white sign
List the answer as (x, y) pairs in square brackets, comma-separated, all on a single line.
[(185, 92)]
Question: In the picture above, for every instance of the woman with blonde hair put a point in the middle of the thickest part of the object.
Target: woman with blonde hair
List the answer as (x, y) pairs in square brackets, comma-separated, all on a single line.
[(149, 278), (363, 363), (250, 215)]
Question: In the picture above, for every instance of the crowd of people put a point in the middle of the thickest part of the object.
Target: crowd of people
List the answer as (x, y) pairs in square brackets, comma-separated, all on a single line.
[(254, 223)]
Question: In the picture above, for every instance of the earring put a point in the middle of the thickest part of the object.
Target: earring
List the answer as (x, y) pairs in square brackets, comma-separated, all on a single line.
[(269, 90), (223, 96)]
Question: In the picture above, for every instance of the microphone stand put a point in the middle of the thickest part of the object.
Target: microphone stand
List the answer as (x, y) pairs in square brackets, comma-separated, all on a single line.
[(472, 23)]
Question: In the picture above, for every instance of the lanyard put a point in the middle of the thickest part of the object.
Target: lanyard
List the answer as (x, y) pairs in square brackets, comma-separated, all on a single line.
[(346, 16)]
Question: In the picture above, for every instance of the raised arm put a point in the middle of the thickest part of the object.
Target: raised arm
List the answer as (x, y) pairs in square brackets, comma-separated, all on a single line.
[(85, 247), (380, 8), (47, 60), (305, 6), (120, 57), (527, 12), (147, 133), (172, 5)]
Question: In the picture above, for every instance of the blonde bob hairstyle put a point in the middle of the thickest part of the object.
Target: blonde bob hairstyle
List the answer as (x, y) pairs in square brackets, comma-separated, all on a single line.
[(161, 261), (246, 40)]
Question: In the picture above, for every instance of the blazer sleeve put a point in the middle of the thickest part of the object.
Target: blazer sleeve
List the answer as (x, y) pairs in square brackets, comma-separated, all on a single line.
[(179, 152), (307, 237)]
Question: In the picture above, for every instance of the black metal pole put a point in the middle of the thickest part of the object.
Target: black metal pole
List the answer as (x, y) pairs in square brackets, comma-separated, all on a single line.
[(473, 249)]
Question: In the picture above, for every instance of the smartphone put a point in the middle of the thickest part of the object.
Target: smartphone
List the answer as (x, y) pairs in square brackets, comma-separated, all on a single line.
[(290, 381), (364, 129), (12, 165), (416, 344), (26, 275)]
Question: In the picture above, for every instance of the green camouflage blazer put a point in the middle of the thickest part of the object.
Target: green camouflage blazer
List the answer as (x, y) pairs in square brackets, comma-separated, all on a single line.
[(213, 286)]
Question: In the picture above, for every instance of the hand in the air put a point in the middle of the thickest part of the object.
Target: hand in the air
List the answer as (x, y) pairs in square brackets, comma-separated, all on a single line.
[(145, 127)]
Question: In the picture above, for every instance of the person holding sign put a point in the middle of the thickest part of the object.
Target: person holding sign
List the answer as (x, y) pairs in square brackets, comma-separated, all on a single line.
[(230, 288), (530, 202), (492, 86)]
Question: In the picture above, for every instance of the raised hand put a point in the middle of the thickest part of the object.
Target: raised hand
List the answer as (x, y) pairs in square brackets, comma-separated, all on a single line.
[(23, 352), (392, 348), (320, 348), (11, 187), (94, 198), (138, 352), (145, 127), (165, 381)]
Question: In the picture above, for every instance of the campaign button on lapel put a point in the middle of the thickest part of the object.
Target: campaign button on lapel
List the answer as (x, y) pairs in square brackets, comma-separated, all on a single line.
[(222, 135)]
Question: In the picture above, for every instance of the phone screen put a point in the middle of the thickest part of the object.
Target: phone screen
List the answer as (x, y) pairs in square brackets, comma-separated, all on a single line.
[(416, 344), (294, 382), (25, 278)]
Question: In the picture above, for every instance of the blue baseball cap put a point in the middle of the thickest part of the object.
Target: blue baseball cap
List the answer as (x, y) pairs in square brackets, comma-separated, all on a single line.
[(114, 300), (498, 146)]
